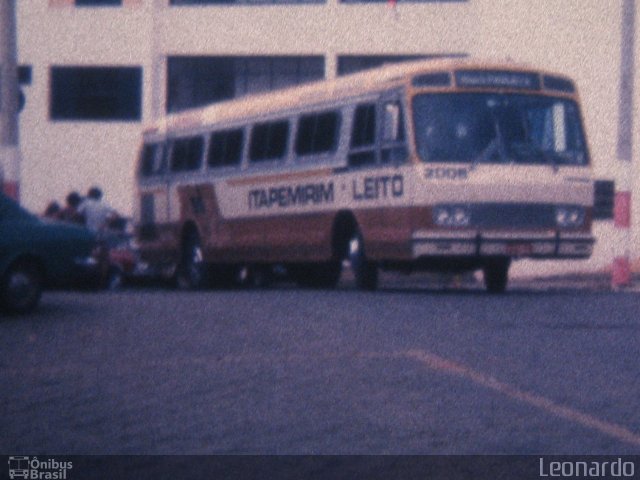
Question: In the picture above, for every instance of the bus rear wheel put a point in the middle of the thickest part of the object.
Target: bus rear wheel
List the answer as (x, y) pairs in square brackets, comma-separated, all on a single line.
[(496, 275), (364, 270)]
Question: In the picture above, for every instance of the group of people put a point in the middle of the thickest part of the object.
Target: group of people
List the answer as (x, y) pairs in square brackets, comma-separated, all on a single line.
[(90, 211)]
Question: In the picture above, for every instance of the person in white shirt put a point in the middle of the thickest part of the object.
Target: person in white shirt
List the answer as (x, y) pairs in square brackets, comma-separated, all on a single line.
[(96, 213)]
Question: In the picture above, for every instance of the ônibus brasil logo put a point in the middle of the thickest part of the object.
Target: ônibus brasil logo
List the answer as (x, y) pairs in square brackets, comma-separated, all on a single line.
[(33, 468)]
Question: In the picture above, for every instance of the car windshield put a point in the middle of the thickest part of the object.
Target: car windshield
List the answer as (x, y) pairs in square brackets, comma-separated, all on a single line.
[(498, 128)]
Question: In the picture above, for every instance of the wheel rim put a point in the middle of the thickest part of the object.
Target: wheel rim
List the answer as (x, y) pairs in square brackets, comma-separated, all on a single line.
[(355, 251), (364, 271)]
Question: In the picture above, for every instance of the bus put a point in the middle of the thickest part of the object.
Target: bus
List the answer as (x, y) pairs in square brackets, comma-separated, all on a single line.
[(438, 165)]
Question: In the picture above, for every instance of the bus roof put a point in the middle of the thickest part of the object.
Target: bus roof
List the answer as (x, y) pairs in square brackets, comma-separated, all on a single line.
[(322, 91)]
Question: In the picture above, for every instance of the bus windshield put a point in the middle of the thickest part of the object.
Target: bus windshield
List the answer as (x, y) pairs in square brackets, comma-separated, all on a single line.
[(498, 128)]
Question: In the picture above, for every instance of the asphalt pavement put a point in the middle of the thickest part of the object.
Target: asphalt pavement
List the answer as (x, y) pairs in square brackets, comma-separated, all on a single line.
[(408, 369)]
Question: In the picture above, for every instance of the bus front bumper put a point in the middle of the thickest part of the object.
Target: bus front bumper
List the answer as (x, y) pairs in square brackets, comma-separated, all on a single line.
[(491, 244)]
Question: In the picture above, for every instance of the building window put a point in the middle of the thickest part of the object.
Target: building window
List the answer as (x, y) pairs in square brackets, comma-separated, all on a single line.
[(404, 1), (98, 3), (355, 63), (260, 74), (96, 93), (25, 74), (238, 2), (197, 81)]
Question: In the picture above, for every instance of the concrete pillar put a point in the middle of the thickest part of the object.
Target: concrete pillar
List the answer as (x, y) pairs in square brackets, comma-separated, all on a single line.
[(9, 139), (622, 204)]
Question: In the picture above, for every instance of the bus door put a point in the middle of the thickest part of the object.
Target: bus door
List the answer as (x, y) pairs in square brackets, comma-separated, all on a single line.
[(393, 192), (191, 192), (392, 134), (153, 190)]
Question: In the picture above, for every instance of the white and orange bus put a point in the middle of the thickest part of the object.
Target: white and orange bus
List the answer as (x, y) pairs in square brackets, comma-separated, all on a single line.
[(447, 165)]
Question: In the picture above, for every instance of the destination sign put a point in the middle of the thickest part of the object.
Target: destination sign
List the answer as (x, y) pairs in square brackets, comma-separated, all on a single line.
[(497, 79)]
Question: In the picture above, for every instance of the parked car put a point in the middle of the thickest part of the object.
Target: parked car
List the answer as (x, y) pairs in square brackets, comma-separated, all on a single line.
[(37, 254)]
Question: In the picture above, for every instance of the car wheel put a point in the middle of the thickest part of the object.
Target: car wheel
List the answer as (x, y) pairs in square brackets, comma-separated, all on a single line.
[(192, 273), (364, 270), (496, 275), (21, 288)]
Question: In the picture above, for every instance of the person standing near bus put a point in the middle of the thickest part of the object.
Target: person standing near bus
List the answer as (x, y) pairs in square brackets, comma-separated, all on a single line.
[(70, 212), (95, 211)]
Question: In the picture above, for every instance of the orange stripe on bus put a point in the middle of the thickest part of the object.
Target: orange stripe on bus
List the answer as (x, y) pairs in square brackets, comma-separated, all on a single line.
[(279, 177)]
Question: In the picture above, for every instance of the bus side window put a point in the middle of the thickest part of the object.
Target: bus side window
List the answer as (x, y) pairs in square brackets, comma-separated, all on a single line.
[(186, 154), (317, 133), (269, 141), (363, 136), (393, 137), (147, 217), (151, 159), (225, 148), (147, 159)]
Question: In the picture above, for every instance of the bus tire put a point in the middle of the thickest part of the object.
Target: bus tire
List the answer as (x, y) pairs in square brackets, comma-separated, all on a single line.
[(496, 275), (364, 270), (193, 272)]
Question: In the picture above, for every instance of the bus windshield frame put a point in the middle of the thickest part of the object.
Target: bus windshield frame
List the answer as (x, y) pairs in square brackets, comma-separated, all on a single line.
[(499, 128)]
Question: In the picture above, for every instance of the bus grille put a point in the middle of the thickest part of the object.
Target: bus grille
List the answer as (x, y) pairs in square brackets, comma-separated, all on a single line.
[(512, 215)]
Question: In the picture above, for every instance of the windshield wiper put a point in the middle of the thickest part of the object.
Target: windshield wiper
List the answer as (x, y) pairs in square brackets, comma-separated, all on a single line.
[(490, 150), (494, 146)]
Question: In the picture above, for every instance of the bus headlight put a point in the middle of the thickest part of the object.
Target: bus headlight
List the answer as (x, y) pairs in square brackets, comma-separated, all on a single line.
[(451, 216), (569, 216)]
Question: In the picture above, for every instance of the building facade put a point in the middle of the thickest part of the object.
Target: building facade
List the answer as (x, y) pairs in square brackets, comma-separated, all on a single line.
[(93, 72)]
